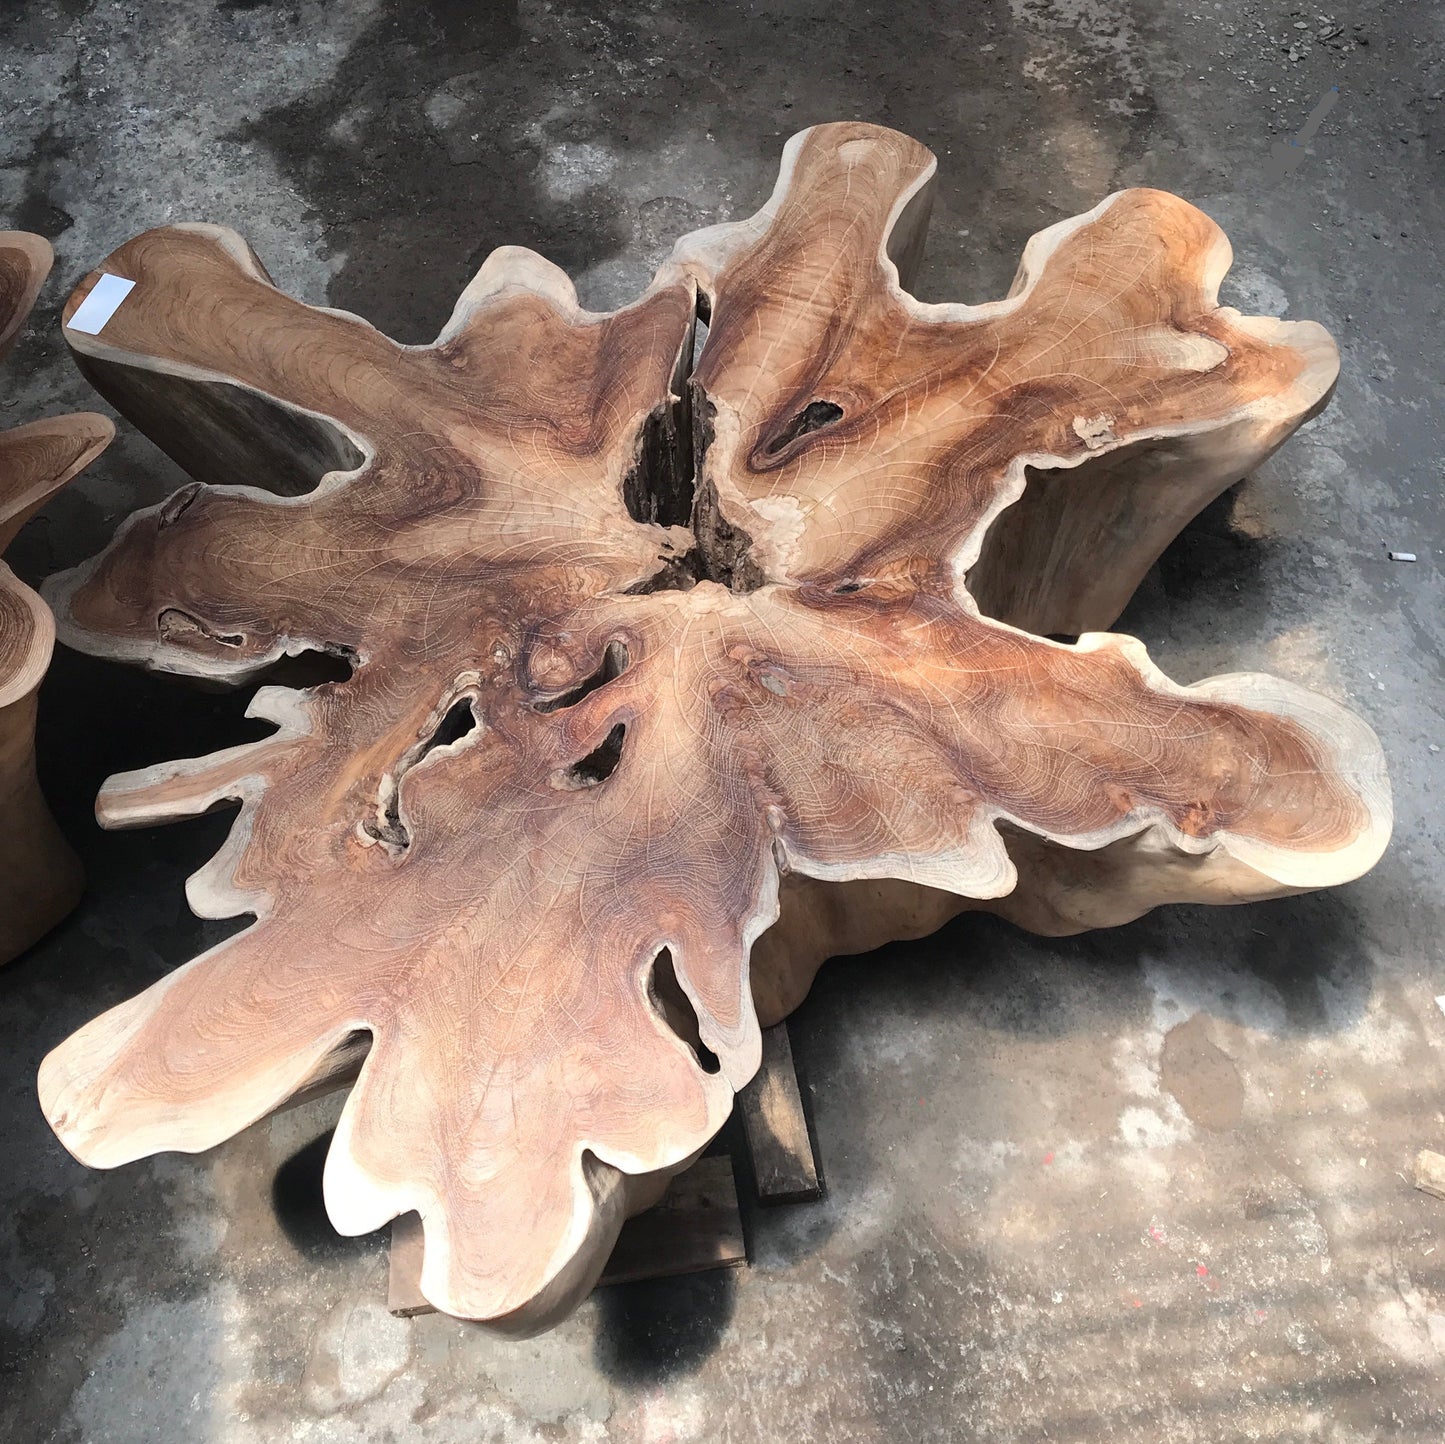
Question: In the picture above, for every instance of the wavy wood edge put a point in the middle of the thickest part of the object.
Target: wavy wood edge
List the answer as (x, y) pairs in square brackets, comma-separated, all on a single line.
[(39, 874), (25, 262), (109, 1092)]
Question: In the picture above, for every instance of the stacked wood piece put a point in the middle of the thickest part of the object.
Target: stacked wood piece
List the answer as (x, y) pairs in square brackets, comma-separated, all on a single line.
[(39, 874)]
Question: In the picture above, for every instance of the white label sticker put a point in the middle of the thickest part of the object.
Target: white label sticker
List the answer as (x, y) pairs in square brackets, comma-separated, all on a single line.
[(102, 303)]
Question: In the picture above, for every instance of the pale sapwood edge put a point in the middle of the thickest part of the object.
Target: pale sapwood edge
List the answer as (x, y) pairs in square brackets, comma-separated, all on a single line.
[(1052, 540), (40, 876)]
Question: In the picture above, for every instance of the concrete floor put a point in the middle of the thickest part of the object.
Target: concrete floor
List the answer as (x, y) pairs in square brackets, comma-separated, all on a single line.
[(1145, 1185)]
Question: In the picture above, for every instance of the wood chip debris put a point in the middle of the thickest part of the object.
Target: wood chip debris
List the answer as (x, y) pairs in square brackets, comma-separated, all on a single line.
[(1430, 1172)]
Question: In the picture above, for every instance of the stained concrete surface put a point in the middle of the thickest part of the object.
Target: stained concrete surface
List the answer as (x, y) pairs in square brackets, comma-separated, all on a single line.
[(1151, 1184)]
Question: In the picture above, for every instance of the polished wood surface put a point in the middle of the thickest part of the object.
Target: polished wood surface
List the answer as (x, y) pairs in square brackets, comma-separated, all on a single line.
[(669, 678)]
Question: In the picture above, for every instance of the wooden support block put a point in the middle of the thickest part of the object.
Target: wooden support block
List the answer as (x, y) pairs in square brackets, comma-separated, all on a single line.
[(403, 1283), (695, 1227), (776, 1128)]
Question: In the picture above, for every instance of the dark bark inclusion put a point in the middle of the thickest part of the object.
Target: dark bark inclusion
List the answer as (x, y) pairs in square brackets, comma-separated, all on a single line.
[(668, 486)]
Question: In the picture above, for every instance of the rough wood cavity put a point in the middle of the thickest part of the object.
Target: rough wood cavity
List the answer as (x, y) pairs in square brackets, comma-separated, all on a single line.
[(647, 657), (39, 874)]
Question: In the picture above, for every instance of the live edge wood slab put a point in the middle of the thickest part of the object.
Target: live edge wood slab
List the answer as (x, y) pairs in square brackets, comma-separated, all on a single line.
[(39, 875), (669, 677)]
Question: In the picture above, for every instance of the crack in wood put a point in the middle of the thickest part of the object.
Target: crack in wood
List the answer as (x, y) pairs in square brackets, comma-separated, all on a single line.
[(669, 485), (815, 416)]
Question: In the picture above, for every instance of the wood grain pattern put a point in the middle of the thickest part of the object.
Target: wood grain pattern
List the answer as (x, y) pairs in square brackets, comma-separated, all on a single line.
[(648, 657), (39, 874)]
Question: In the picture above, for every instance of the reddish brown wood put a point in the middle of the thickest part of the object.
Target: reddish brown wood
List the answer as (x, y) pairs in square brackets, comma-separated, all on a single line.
[(39, 874), (645, 652)]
